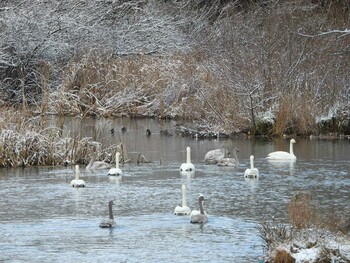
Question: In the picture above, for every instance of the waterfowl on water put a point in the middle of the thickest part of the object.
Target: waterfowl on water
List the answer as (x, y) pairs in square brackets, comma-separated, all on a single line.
[(94, 165), (77, 182), (251, 172), (148, 132), (282, 155), (230, 161), (184, 209), (200, 216), (116, 170), (108, 223), (187, 166), (213, 156)]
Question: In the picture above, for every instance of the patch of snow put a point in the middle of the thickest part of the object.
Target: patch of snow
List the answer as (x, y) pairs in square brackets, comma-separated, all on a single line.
[(266, 117)]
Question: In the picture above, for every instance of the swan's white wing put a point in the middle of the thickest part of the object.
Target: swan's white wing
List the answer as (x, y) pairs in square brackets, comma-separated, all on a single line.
[(281, 155), (251, 173), (182, 210), (115, 171), (214, 156), (77, 183), (187, 167)]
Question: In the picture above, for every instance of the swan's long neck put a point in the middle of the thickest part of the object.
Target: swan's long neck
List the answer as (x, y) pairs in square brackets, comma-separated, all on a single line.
[(77, 172), (188, 160), (110, 210), (291, 148), (201, 209), (251, 162), (117, 160), (90, 163), (184, 202)]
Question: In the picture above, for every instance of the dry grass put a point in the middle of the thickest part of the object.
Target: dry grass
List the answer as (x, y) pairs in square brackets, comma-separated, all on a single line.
[(301, 211), (31, 140)]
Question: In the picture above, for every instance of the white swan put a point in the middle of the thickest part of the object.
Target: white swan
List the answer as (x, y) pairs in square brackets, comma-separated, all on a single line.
[(187, 166), (94, 165), (230, 161), (252, 172), (281, 155), (77, 182), (200, 216), (184, 209), (116, 170), (213, 156), (110, 221)]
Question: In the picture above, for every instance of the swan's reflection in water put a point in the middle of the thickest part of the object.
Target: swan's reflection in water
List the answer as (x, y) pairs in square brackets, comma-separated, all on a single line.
[(116, 179), (283, 165)]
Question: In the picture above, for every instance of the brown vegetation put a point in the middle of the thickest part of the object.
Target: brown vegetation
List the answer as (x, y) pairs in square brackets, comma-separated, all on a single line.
[(307, 228), (244, 60)]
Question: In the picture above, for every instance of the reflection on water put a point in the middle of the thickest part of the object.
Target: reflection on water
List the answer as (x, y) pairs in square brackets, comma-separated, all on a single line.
[(43, 218)]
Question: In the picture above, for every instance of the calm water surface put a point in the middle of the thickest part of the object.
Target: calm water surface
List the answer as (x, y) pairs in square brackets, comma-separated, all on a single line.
[(43, 219)]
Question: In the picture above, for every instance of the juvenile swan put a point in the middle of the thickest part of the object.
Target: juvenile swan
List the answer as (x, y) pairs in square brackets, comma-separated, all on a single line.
[(105, 223), (184, 209), (213, 156), (252, 172), (199, 216), (230, 161), (77, 182), (116, 170), (281, 155), (187, 166), (94, 165)]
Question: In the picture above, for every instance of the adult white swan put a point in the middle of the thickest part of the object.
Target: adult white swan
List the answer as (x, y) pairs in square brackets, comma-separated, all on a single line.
[(230, 160), (200, 216), (94, 165), (116, 170), (213, 156), (281, 155), (110, 221), (251, 172), (184, 209), (77, 182), (187, 166)]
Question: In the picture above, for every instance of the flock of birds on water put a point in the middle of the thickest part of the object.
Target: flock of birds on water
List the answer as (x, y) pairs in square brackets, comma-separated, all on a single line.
[(217, 156)]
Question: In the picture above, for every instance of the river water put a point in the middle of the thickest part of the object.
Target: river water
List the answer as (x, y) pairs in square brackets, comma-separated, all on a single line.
[(44, 219)]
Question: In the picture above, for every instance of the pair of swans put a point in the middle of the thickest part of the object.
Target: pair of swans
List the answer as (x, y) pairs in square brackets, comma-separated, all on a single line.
[(222, 157), (196, 216), (274, 156), (95, 165)]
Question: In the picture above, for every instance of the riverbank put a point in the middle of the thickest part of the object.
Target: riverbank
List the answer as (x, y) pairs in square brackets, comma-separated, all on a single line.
[(310, 236), (222, 65)]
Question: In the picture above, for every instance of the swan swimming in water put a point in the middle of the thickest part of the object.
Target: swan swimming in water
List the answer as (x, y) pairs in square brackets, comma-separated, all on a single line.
[(77, 182), (281, 155), (94, 165), (213, 156), (187, 166), (116, 170), (251, 172), (230, 161), (184, 209), (200, 216), (107, 223)]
